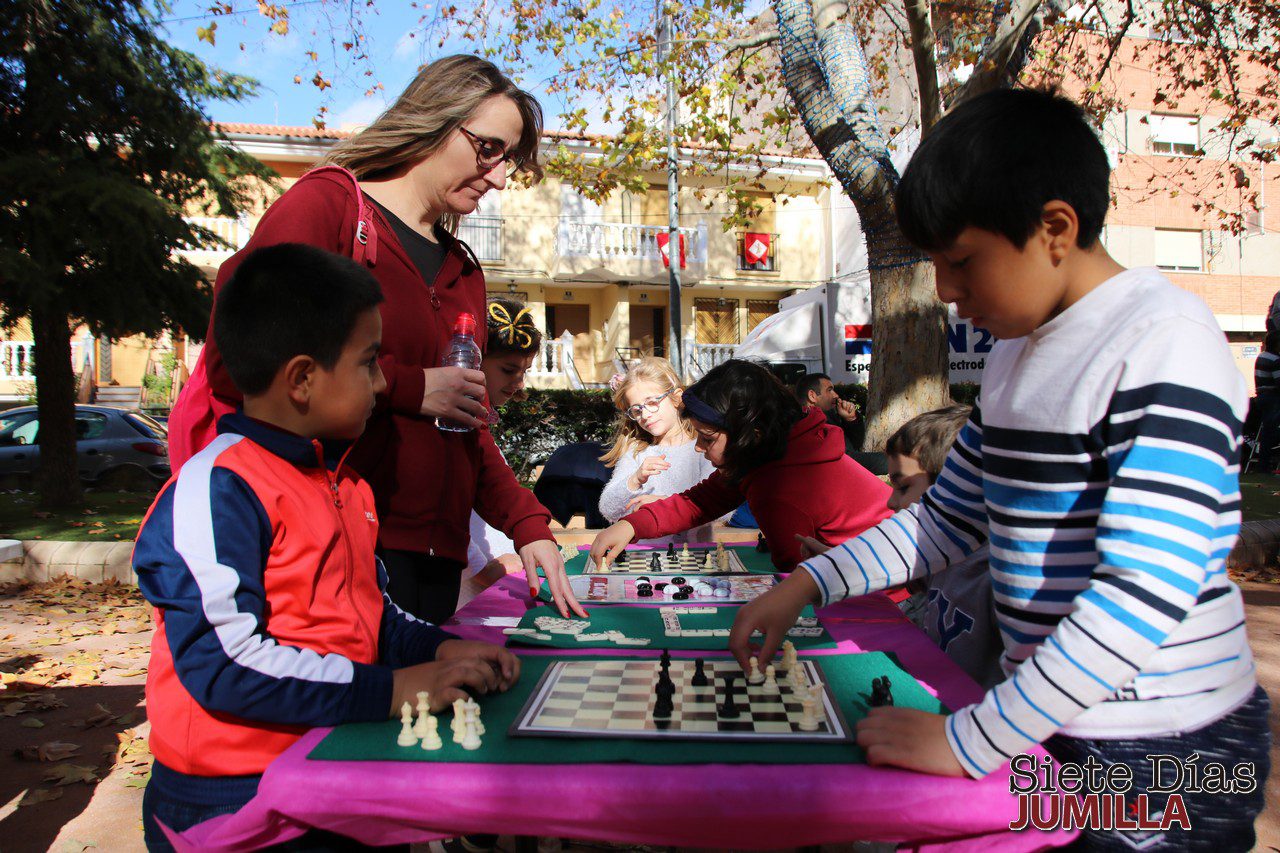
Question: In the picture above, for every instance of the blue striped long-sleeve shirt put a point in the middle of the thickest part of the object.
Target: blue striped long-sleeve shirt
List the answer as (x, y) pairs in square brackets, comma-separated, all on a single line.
[(1102, 468)]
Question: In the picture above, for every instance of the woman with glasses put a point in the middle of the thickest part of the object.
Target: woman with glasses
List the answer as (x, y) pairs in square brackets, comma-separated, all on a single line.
[(391, 197), (653, 455)]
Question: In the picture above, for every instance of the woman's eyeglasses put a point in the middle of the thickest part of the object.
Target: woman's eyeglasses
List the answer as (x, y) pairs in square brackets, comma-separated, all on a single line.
[(650, 405), (491, 152)]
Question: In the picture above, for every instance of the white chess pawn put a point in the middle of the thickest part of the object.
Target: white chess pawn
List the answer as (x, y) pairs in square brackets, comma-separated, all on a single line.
[(706, 561), (407, 737), (771, 679), (684, 552), (470, 737), (797, 677), (755, 676), (459, 723), (473, 715), (603, 568), (431, 740), (788, 655), (424, 711)]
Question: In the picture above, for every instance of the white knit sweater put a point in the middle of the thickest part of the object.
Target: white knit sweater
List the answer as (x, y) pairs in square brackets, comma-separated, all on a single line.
[(688, 468)]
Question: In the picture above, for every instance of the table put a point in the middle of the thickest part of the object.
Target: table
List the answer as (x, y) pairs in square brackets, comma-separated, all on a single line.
[(715, 805)]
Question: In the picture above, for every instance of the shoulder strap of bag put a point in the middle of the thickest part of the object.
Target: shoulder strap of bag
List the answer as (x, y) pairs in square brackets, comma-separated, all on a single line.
[(364, 249)]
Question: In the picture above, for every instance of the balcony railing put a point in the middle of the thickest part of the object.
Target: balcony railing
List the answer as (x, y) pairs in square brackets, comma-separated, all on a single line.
[(17, 360), (768, 264), (699, 358), (626, 241), (551, 358), (484, 235), (235, 231)]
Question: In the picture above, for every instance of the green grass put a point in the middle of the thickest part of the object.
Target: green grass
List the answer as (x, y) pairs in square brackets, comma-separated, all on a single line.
[(105, 516), (1260, 494)]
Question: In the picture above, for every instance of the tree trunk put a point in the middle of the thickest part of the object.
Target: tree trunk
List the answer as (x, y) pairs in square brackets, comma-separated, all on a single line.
[(57, 476), (909, 364), (827, 78)]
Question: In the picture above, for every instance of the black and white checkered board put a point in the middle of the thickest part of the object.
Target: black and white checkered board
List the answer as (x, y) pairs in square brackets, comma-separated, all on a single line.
[(615, 698), (637, 563)]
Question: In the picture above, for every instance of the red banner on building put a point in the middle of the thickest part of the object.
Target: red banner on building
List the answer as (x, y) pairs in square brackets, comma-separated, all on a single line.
[(755, 248), (664, 238)]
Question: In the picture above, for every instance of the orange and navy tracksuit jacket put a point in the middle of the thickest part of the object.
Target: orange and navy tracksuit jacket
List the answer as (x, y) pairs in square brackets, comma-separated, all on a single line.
[(271, 611)]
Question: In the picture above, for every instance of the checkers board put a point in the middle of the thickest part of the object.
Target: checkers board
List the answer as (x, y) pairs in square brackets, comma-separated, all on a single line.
[(753, 562), (848, 679), (614, 589), (615, 698)]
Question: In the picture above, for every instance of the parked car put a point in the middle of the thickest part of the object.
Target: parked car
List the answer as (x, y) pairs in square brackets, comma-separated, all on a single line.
[(123, 446)]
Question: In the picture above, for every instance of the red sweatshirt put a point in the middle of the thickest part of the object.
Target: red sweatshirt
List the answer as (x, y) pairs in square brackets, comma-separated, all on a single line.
[(426, 481), (814, 490)]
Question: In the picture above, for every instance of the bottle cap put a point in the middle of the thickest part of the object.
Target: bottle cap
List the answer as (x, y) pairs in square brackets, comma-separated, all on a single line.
[(465, 325)]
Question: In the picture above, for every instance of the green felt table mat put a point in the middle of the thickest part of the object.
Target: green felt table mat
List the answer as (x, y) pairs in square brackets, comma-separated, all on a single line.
[(646, 621), (848, 676), (753, 561)]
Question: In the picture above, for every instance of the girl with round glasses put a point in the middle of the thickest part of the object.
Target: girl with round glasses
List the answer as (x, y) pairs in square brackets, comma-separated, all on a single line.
[(653, 453)]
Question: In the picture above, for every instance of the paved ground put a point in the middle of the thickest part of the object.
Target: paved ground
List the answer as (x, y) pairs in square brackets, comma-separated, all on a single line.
[(73, 750)]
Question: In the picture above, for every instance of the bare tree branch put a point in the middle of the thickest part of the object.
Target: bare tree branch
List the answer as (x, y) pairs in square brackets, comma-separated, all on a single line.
[(923, 50)]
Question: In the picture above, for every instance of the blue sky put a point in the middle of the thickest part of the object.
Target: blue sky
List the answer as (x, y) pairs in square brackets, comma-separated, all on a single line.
[(244, 45)]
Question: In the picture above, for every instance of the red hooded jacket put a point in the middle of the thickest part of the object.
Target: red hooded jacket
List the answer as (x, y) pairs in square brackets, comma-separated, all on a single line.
[(814, 490), (426, 481)]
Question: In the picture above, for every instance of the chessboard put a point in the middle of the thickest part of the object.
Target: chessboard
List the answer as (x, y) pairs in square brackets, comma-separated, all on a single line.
[(686, 560), (616, 698), (669, 588)]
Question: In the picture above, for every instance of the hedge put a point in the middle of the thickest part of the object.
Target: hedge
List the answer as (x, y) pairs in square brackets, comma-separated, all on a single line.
[(530, 430)]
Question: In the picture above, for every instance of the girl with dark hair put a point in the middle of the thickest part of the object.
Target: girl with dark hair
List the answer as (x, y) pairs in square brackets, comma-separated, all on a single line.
[(787, 464), (514, 340)]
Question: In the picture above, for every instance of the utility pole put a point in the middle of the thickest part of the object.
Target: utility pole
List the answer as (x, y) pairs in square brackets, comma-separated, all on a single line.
[(676, 354)]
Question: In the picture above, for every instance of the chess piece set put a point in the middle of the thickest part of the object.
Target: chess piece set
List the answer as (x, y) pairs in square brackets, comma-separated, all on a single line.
[(467, 727)]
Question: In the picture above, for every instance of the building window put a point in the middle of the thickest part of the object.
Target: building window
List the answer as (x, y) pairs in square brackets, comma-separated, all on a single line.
[(759, 310), (1179, 251), (1175, 136)]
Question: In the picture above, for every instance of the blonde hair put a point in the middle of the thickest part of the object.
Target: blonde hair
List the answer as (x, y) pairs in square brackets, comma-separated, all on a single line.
[(444, 95), (631, 437)]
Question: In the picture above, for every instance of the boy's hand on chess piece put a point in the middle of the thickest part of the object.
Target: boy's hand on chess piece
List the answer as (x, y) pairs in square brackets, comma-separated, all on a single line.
[(655, 464), (905, 737), (445, 680), (504, 663), (544, 552), (610, 541), (810, 547), (640, 500), (772, 614)]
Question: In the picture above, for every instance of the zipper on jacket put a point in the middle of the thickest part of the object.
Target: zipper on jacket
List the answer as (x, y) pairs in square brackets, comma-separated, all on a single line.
[(332, 479)]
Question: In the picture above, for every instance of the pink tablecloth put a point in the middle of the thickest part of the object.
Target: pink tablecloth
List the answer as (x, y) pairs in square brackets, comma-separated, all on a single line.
[(718, 805)]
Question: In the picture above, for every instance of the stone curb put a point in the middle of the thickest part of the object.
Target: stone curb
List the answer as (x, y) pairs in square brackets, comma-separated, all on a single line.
[(42, 560)]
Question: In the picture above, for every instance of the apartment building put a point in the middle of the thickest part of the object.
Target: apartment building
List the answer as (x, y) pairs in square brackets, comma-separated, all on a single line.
[(595, 274)]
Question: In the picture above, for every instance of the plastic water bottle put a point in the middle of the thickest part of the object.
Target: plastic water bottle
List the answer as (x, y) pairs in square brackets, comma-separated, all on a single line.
[(463, 352)]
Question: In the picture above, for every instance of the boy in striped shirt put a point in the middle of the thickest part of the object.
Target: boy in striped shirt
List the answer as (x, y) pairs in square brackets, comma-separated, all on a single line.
[(1101, 467)]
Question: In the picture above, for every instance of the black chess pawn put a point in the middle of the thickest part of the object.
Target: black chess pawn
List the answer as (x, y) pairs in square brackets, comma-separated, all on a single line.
[(729, 710), (655, 562), (699, 674), (671, 550), (762, 545)]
